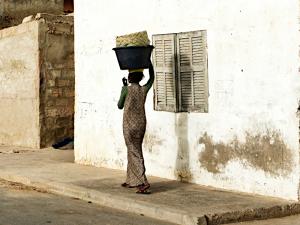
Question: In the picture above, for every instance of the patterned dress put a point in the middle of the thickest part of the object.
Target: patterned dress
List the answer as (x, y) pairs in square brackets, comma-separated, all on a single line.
[(134, 126)]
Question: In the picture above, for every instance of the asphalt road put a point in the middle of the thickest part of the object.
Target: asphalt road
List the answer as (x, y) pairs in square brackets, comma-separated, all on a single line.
[(22, 205)]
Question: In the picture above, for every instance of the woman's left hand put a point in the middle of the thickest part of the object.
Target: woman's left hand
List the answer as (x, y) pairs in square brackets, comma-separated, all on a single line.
[(124, 80)]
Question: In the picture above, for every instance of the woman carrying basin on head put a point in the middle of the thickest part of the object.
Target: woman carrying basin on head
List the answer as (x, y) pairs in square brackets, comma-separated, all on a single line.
[(133, 99)]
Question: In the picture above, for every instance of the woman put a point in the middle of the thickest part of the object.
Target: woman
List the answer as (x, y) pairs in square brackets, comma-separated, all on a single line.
[(133, 99)]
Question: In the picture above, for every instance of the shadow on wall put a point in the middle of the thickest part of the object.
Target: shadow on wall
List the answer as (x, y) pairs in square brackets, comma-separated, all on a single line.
[(266, 152), (182, 167)]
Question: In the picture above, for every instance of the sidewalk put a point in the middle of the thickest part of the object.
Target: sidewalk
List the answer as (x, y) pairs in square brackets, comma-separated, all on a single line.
[(171, 201)]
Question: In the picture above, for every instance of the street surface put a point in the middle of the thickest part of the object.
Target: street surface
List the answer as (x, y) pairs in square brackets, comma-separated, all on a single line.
[(22, 205)]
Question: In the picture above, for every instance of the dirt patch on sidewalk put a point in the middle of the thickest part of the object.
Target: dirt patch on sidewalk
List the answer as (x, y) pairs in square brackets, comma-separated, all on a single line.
[(20, 187)]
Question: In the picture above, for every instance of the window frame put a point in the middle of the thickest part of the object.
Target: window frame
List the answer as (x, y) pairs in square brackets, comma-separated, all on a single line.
[(177, 70)]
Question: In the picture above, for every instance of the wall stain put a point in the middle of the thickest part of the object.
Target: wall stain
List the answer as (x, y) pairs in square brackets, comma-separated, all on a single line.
[(119, 163), (183, 174), (17, 64), (266, 152), (12, 68), (151, 139)]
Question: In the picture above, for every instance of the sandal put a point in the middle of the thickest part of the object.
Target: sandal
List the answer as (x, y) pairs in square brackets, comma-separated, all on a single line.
[(143, 189), (144, 192)]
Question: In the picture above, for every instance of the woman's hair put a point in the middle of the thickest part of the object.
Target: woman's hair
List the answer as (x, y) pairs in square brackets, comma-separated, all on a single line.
[(135, 77)]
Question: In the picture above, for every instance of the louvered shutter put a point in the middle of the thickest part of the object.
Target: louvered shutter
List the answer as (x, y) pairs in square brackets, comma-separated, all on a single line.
[(164, 64), (192, 71)]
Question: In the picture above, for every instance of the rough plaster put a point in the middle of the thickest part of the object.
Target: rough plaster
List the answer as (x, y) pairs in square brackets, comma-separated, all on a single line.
[(19, 86), (253, 86)]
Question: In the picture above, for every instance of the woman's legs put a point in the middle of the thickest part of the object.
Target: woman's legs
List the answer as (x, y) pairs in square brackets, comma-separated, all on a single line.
[(135, 167)]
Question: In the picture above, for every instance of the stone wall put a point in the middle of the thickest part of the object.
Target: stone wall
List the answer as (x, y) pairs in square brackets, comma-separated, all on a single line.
[(57, 78), (12, 12), (19, 82)]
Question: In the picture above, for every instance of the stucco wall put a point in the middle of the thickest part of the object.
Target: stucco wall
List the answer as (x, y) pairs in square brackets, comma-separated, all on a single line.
[(19, 82), (12, 12), (248, 141)]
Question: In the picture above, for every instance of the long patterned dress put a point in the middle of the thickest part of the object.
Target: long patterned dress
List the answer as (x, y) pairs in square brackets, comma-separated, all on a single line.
[(134, 127)]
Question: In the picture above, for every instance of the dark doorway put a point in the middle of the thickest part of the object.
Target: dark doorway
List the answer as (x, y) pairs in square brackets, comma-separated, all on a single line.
[(69, 6)]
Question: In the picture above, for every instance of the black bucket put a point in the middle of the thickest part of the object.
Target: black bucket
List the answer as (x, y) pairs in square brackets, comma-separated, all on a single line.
[(134, 57)]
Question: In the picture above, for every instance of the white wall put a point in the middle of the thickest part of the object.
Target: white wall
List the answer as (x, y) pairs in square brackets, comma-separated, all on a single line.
[(253, 85)]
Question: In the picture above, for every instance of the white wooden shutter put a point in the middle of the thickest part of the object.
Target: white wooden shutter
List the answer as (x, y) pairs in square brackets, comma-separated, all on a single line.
[(164, 64), (192, 71)]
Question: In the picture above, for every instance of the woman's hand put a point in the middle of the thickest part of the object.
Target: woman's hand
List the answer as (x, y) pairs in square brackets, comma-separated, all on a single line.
[(124, 80)]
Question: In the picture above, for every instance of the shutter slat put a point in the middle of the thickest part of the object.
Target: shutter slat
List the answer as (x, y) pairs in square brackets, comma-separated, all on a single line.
[(197, 54), (184, 50), (160, 90), (159, 53), (170, 97)]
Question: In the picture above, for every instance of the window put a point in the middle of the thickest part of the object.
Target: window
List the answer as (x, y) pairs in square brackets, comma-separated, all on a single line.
[(180, 65)]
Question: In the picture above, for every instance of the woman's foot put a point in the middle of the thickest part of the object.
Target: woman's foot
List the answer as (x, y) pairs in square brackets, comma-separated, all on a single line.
[(143, 189)]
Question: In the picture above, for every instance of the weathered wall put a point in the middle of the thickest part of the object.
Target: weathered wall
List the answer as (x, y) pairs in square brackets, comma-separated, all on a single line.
[(56, 44), (37, 82), (12, 12), (19, 82), (248, 141)]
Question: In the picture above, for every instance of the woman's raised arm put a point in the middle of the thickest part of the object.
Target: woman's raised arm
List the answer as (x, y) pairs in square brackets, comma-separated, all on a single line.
[(149, 83)]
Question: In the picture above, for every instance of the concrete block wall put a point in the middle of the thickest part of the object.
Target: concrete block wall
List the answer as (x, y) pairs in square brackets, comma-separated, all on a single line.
[(56, 41), (37, 82)]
